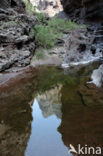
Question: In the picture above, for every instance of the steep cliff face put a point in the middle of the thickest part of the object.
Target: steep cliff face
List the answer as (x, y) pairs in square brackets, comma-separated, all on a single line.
[(16, 42), (84, 9)]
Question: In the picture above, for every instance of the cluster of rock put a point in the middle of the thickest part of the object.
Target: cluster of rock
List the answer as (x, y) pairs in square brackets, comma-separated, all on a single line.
[(84, 9), (16, 42)]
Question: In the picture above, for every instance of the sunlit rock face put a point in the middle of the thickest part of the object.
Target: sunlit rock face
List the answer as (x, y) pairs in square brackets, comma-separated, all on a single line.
[(49, 7), (84, 9), (50, 102)]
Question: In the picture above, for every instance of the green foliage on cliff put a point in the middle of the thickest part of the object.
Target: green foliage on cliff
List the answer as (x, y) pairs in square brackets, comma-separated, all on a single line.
[(47, 32), (41, 18), (29, 7), (45, 36), (61, 25)]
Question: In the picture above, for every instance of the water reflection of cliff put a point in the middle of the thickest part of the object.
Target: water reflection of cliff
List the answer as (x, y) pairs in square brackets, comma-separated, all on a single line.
[(15, 129), (82, 123), (50, 102), (79, 106), (15, 116), (80, 109)]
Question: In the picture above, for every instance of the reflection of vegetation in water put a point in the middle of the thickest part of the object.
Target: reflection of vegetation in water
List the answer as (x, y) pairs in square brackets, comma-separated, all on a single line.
[(51, 76), (79, 123)]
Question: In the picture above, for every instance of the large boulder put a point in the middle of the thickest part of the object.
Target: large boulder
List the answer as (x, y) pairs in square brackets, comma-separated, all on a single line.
[(84, 9)]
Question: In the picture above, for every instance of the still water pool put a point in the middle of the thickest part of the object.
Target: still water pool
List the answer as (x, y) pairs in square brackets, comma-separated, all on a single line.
[(44, 112)]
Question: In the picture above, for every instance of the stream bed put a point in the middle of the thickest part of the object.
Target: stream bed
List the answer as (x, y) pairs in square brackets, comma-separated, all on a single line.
[(44, 112)]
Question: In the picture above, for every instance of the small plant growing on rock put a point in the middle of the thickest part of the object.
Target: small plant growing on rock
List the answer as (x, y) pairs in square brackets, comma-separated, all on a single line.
[(39, 54), (11, 23), (20, 22), (41, 18)]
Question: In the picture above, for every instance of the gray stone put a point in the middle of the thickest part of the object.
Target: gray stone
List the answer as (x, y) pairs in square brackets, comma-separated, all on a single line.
[(17, 45), (97, 76)]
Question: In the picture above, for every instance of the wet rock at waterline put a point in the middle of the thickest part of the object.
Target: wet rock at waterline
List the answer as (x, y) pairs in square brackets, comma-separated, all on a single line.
[(97, 76), (16, 43)]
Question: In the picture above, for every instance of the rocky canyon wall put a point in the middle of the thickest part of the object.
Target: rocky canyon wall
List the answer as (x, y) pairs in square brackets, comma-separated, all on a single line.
[(84, 9), (18, 5)]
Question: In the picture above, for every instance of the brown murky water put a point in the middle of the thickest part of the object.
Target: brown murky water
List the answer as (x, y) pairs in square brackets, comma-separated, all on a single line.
[(44, 112)]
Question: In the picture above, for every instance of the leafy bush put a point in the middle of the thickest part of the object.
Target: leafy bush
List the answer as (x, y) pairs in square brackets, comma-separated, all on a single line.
[(45, 36), (62, 24), (41, 18), (47, 32)]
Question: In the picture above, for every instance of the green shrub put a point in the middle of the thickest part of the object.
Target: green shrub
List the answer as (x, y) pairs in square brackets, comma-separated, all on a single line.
[(41, 18), (45, 36), (47, 32), (62, 24)]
